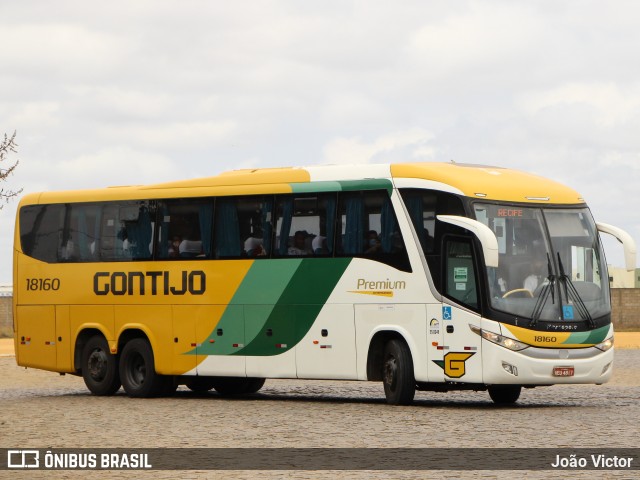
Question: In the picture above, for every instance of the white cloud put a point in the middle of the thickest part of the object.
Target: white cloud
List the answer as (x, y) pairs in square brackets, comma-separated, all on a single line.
[(399, 146), (108, 167), (611, 104)]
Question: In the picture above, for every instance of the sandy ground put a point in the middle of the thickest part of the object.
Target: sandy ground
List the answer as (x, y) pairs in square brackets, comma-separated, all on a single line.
[(623, 340)]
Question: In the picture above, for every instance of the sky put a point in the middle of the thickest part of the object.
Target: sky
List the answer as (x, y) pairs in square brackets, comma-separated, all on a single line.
[(120, 92)]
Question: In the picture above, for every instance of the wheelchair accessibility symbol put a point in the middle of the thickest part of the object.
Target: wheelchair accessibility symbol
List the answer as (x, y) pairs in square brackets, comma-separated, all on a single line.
[(446, 313)]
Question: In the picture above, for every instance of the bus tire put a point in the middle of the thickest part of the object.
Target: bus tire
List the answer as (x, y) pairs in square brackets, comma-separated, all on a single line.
[(138, 372), (100, 367), (505, 394), (227, 386), (169, 386), (397, 373), (200, 384), (253, 385)]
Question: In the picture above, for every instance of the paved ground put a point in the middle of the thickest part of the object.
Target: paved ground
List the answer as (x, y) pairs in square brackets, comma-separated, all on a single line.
[(44, 410)]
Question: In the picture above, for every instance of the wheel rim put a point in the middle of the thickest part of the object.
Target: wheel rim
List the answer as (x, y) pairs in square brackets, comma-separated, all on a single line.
[(97, 365), (137, 370), (390, 372)]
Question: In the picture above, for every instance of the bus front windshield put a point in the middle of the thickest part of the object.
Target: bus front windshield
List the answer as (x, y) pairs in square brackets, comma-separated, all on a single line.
[(551, 266)]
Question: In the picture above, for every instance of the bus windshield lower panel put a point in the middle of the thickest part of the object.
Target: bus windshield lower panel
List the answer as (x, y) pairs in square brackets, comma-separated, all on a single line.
[(551, 264)]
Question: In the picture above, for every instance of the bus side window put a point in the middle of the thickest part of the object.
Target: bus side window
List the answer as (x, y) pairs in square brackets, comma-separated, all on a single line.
[(41, 231), (369, 229), (460, 274), (242, 227), (185, 229), (82, 233), (305, 224), (255, 227)]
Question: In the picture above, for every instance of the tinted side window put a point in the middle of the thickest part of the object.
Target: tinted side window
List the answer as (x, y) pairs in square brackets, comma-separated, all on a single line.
[(243, 227), (369, 228), (41, 231), (305, 225), (127, 231), (185, 229), (460, 273), (81, 236), (423, 207)]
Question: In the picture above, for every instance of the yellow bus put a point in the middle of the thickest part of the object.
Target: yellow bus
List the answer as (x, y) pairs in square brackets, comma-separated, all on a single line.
[(424, 276)]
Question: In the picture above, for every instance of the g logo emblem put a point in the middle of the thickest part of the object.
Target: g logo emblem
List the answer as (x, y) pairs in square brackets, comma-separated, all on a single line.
[(453, 363)]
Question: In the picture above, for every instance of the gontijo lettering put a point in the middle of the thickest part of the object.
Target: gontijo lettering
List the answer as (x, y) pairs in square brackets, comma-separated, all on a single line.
[(155, 283)]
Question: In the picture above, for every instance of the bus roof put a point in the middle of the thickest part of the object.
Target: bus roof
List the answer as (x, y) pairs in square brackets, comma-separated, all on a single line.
[(476, 181)]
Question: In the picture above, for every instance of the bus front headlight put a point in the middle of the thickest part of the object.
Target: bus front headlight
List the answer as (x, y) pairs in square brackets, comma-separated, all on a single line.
[(606, 345), (508, 343)]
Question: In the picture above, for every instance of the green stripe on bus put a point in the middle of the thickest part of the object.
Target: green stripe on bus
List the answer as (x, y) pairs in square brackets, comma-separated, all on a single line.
[(297, 308), (588, 338), (598, 336), (251, 306), (315, 187), (373, 184), (343, 186)]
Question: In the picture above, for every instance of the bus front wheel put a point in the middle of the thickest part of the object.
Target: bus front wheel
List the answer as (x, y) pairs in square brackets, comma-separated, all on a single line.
[(138, 372), (397, 373), (99, 367), (237, 385), (505, 394)]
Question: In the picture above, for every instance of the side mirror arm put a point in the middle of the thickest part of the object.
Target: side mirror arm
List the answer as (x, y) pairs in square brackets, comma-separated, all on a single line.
[(628, 243), (483, 233)]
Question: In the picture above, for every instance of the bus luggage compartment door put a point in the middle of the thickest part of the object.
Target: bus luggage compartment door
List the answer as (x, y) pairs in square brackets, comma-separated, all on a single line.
[(36, 336)]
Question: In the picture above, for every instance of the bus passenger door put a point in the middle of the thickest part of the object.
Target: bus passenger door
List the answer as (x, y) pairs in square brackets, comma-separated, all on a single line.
[(462, 360)]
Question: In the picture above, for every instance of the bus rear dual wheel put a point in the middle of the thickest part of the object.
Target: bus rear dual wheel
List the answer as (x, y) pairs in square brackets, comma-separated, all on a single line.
[(100, 367), (138, 373)]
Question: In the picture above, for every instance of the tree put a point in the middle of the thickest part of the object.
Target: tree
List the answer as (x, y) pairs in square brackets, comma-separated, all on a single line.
[(7, 147)]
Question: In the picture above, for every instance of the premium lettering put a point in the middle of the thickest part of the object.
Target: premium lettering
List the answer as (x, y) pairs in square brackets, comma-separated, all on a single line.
[(150, 283), (381, 285)]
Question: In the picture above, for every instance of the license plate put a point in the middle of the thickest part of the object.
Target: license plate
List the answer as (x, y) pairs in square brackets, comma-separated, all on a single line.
[(563, 371)]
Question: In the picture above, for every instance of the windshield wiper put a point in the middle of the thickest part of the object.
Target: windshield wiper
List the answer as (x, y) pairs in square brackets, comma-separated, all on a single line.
[(548, 287), (572, 295)]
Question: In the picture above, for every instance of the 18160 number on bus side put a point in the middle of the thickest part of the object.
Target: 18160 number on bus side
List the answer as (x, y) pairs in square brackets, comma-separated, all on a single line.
[(43, 284)]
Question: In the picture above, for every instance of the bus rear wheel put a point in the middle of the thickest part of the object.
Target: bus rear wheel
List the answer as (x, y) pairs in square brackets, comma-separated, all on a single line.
[(237, 385), (100, 367), (138, 372), (397, 373), (505, 394)]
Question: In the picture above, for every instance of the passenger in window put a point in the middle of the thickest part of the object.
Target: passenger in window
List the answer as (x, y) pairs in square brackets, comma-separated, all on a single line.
[(319, 245), (299, 244), (253, 247), (373, 244), (190, 248), (174, 247)]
